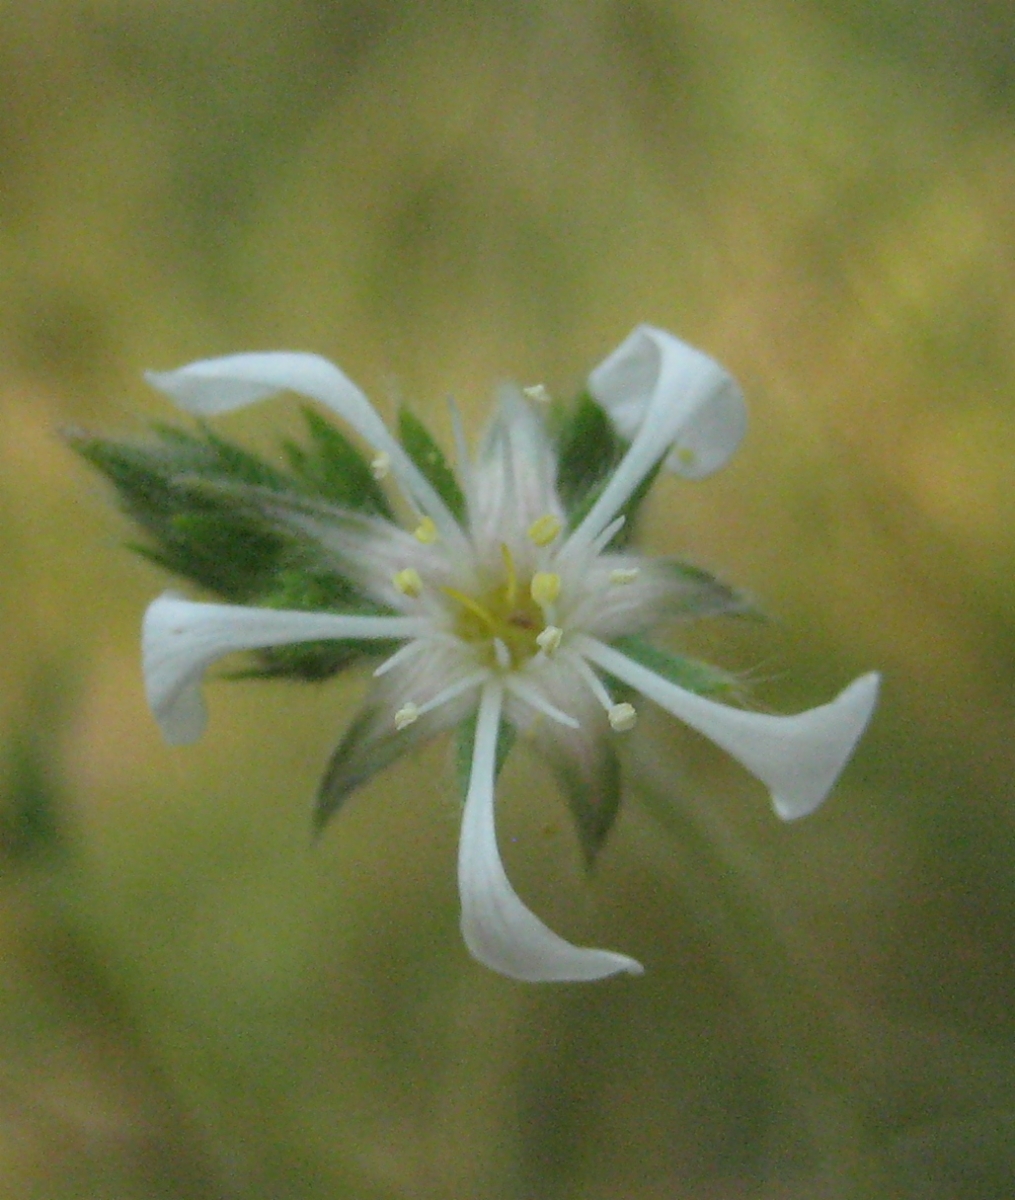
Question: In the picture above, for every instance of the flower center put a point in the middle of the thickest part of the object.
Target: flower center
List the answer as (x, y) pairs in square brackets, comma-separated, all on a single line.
[(505, 621)]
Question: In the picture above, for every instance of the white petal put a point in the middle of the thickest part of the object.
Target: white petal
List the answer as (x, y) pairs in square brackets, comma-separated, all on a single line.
[(498, 929), (799, 757), (218, 385), (665, 396), (181, 638), (652, 366), (513, 479)]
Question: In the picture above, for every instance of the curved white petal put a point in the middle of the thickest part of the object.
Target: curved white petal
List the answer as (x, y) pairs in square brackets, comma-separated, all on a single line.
[(498, 929), (799, 757), (181, 638), (218, 385), (652, 366), (665, 396)]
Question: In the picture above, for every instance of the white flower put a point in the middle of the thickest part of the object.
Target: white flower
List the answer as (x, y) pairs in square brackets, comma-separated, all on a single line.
[(506, 615)]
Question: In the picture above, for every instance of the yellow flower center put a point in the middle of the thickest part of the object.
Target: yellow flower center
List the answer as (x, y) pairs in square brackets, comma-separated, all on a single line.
[(507, 613)]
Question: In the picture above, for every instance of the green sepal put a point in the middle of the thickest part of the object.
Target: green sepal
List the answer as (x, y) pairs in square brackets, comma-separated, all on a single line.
[(331, 468), (201, 502), (593, 797), (310, 590), (429, 458), (696, 676), (588, 451), (363, 751), (210, 539), (465, 737), (702, 594), (214, 457), (371, 743)]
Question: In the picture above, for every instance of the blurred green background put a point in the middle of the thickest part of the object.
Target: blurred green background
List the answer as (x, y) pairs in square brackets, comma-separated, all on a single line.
[(194, 1003)]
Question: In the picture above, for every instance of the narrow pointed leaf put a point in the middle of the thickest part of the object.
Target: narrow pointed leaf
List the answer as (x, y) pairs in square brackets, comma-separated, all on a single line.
[(332, 468), (699, 593), (204, 504), (420, 446), (591, 784), (211, 540), (589, 449), (370, 744)]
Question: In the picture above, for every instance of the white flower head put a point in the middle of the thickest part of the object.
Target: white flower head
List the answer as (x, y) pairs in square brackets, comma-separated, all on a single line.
[(507, 603)]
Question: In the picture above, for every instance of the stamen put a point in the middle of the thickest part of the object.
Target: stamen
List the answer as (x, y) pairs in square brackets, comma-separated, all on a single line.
[(502, 654), (545, 588), (426, 531), (543, 530), (473, 606), (453, 691), (409, 650), (511, 587), (380, 465), (609, 533), (406, 715), (623, 575), (686, 456), (622, 717), (549, 639), (408, 582), (533, 697), (536, 392)]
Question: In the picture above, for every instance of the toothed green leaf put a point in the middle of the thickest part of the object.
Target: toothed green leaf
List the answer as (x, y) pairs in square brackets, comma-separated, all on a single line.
[(428, 456)]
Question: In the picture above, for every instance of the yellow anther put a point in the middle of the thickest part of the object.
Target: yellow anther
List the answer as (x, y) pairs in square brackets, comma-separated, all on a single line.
[(406, 715), (511, 575), (380, 465), (624, 575), (408, 582), (545, 587), (686, 456), (536, 392), (549, 639), (473, 606), (544, 530), (426, 531), (622, 717)]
